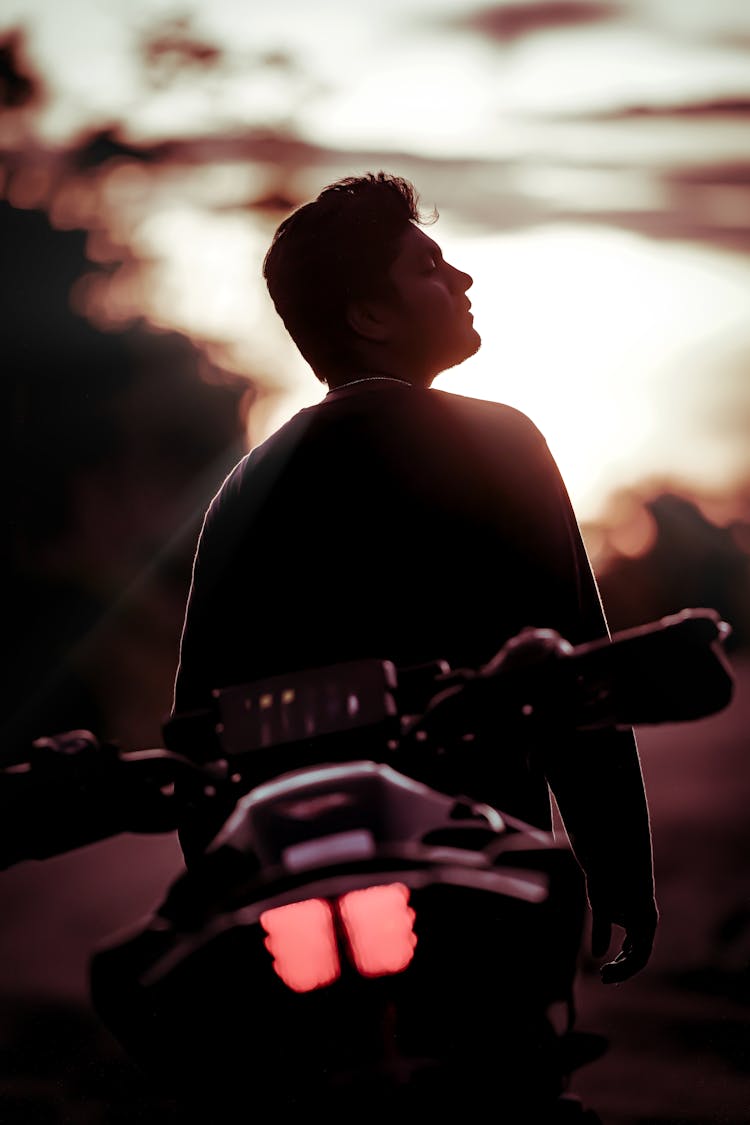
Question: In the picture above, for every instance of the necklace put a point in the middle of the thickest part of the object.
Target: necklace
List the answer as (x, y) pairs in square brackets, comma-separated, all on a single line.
[(370, 379)]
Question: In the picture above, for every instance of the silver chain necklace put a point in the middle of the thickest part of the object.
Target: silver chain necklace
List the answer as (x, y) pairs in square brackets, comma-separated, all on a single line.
[(370, 379)]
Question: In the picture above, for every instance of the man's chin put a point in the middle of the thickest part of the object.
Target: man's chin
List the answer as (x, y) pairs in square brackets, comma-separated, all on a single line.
[(464, 354), (471, 344), (467, 346), (475, 342)]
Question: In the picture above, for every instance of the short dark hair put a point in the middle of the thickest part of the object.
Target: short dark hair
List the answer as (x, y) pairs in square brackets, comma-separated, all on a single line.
[(333, 250)]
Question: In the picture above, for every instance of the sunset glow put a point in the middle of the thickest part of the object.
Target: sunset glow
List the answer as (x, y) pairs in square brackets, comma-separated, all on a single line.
[(605, 342), (591, 334), (554, 148)]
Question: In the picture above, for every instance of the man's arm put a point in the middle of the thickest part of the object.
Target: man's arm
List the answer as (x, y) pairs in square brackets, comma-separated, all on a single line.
[(598, 785), (216, 614)]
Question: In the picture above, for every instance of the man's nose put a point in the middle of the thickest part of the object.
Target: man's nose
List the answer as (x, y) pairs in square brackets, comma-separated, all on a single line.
[(462, 281)]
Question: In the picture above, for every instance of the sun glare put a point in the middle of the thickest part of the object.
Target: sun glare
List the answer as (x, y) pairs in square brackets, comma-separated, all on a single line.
[(585, 331), (596, 334)]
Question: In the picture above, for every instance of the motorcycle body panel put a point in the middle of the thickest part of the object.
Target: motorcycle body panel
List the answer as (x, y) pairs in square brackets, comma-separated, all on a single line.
[(492, 913)]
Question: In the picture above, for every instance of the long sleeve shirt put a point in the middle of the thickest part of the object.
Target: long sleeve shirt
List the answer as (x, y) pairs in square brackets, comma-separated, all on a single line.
[(411, 525)]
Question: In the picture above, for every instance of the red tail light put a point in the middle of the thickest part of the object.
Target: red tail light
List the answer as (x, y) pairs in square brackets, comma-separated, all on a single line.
[(379, 925), (302, 942)]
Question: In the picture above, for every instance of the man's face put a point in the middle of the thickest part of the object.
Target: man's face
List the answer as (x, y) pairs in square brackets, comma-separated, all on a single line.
[(429, 321)]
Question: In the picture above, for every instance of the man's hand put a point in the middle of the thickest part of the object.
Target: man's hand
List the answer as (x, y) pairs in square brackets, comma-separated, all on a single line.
[(640, 929)]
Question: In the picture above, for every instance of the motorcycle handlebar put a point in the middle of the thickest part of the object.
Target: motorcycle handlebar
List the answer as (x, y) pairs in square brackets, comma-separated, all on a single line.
[(74, 791), (668, 671)]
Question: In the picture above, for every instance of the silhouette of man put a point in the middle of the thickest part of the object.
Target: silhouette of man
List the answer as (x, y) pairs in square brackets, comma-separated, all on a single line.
[(395, 521)]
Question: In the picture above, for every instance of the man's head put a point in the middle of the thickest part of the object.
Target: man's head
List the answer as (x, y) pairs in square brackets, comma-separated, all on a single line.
[(361, 288)]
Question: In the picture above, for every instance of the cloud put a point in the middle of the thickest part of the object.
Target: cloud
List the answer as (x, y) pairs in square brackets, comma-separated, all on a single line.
[(734, 106), (507, 22)]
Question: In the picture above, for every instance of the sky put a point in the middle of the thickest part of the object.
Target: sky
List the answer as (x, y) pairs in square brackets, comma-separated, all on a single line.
[(589, 161)]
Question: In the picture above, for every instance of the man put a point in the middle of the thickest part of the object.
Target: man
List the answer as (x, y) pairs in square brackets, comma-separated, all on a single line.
[(394, 521)]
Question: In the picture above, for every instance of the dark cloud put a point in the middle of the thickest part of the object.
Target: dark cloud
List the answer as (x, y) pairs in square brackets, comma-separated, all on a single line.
[(701, 203), (510, 21), (736, 173), (173, 48), (739, 106), (734, 106), (664, 225), (264, 145), (482, 192), (98, 148)]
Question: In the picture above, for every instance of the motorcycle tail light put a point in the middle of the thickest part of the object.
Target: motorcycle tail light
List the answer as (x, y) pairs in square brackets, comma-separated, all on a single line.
[(379, 925), (377, 921), (302, 941)]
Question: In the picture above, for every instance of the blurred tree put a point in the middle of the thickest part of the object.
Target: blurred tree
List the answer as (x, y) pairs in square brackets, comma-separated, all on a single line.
[(692, 563), (113, 444), (17, 87)]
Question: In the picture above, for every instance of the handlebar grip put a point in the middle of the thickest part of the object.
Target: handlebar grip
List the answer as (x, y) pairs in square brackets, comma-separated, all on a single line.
[(73, 791), (668, 671)]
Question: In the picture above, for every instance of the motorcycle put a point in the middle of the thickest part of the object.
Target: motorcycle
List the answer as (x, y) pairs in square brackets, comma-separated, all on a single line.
[(354, 941)]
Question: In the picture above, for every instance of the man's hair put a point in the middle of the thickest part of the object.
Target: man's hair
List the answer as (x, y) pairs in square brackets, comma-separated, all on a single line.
[(336, 249)]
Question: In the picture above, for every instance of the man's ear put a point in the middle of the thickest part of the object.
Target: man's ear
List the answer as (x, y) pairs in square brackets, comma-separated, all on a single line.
[(368, 318)]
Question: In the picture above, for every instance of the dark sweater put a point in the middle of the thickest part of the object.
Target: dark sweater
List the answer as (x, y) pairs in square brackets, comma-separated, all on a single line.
[(408, 524)]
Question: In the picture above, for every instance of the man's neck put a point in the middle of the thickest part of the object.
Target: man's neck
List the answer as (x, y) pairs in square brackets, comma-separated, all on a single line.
[(361, 380), (360, 374)]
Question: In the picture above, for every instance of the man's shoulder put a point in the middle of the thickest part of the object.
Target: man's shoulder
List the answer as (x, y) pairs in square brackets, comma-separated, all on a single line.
[(259, 458), (430, 421), (480, 424), (454, 432), (486, 412), (424, 407)]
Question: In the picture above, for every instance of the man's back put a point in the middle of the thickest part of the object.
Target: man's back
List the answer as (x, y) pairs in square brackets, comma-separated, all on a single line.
[(392, 522), (386, 521)]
